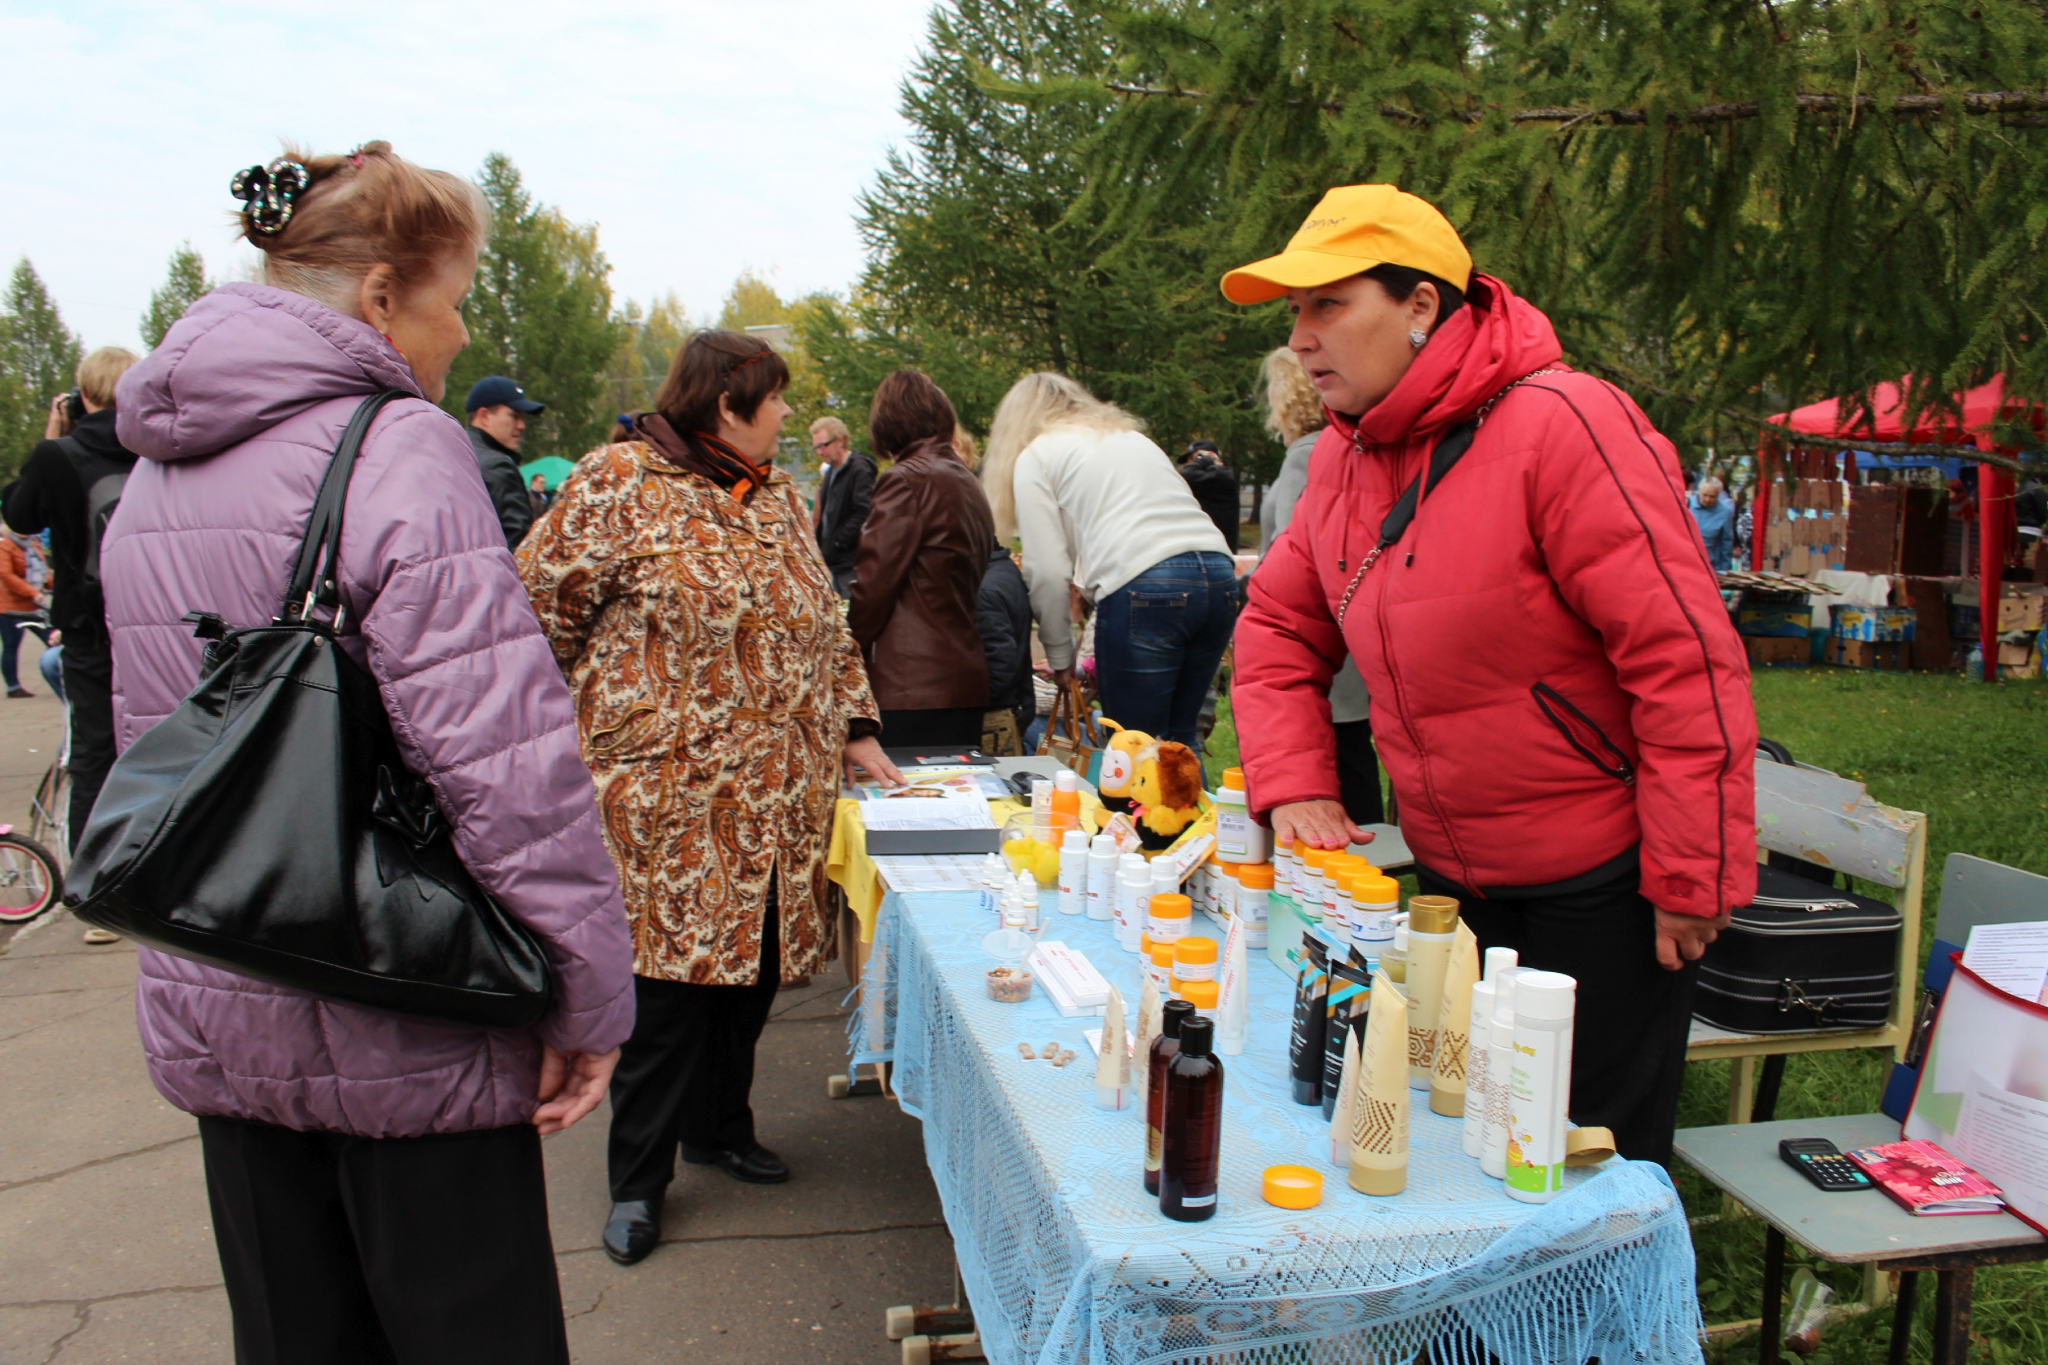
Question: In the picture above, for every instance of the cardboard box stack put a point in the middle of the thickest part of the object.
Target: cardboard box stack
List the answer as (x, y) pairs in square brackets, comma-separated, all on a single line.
[(1774, 627), (2022, 608), (1812, 534), (1871, 637)]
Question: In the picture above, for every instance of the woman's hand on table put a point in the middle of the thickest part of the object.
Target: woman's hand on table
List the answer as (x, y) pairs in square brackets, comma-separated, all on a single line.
[(1319, 824), (866, 756), (571, 1084), (1684, 938)]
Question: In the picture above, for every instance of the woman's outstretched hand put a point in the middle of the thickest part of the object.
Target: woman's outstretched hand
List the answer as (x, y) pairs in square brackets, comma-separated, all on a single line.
[(1319, 824), (571, 1084), (865, 755)]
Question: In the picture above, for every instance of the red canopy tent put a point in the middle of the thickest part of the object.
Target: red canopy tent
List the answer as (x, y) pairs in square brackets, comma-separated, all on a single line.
[(1981, 406)]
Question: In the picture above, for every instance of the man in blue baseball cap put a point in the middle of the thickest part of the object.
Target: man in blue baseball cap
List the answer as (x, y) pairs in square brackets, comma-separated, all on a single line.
[(498, 409)]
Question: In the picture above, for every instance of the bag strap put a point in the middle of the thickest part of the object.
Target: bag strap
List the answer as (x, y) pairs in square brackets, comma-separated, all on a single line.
[(321, 551)]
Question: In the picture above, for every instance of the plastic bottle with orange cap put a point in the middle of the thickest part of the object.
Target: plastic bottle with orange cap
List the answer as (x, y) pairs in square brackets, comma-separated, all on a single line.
[(1239, 838)]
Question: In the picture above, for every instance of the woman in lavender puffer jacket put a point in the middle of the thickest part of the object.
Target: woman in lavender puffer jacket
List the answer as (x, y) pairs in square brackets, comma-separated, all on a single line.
[(375, 1181)]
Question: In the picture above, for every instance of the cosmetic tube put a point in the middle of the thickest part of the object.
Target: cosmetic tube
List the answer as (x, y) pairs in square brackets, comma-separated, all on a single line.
[(1347, 1088), (1149, 998), (1343, 1013), (1478, 1063), (1191, 1126), (1233, 1004), (1432, 928), (1450, 1065), (1165, 1042), (1073, 872), (1305, 1041), (1133, 899), (1379, 1104), (1500, 1053), (1540, 1085), (1113, 1081)]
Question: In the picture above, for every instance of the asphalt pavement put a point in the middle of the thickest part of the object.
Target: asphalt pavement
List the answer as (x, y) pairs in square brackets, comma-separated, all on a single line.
[(106, 1245)]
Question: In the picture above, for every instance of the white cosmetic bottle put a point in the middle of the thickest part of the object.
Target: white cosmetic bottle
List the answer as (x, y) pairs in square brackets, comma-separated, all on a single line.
[(1073, 872), (1102, 878), (1539, 1085)]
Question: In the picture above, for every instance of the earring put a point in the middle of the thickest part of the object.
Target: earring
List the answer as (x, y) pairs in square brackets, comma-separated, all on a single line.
[(1417, 337)]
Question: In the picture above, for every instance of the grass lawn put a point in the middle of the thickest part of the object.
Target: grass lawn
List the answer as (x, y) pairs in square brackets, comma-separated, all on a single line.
[(1975, 759)]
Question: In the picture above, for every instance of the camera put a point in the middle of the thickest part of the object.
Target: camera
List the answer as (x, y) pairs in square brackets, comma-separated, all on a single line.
[(74, 407)]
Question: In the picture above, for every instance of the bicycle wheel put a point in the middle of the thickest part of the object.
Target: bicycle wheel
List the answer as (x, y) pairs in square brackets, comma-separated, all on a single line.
[(29, 879), (49, 814)]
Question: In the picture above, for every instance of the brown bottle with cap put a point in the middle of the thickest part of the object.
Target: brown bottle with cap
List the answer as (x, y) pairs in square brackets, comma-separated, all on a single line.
[(1191, 1128), (1175, 1013)]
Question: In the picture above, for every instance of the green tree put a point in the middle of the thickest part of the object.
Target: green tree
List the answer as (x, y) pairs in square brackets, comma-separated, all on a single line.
[(184, 283), (1733, 206), (38, 355), (541, 312), (648, 341), (988, 258)]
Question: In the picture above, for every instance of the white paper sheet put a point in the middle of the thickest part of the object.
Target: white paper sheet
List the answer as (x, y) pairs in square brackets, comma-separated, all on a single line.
[(932, 872), (2005, 1136), (2012, 957), (927, 808)]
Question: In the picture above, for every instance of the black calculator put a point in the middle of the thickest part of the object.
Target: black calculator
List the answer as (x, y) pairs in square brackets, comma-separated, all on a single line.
[(1823, 1163)]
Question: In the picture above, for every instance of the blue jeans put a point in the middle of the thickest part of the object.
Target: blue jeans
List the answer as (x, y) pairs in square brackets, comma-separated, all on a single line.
[(52, 666), (1158, 640), (12, 625)]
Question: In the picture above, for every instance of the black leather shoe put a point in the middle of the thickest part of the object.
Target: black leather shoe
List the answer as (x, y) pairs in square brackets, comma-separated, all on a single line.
[(753, 1163), (634, 1230)]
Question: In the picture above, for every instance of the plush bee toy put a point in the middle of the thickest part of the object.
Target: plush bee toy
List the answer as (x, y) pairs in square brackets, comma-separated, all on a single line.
[(1120, 765), (1166, 793)]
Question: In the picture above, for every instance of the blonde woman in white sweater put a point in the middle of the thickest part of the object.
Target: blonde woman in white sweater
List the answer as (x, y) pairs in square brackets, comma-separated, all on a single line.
[(1098, 504)]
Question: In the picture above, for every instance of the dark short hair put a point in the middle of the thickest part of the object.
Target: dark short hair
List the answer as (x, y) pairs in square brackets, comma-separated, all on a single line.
[(1400, 281), (909, 408), (744, 370)]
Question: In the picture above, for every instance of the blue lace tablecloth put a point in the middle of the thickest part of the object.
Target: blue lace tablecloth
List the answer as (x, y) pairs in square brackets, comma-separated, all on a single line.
[(1066, 1259)]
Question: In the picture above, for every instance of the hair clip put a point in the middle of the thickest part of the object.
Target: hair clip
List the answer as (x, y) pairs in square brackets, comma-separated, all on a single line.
[(267, 194), (761, 354)]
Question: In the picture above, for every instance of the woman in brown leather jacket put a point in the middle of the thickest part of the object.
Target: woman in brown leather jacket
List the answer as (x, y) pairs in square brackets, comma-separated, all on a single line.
[(918, 574)]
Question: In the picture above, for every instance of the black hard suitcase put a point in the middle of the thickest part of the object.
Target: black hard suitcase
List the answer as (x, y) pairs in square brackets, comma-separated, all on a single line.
[(1801, 958)]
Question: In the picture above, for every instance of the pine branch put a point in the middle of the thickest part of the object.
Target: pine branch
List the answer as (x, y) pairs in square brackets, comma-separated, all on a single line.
[(1973, 102), (1814, 440)]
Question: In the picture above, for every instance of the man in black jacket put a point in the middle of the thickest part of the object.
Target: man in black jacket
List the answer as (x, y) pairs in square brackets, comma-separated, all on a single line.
[(1214, 487), (69, 487), (498, 409), (844, 494)]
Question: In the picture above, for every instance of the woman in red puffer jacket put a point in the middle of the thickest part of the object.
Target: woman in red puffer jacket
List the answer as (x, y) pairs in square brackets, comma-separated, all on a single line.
[(1557, 693)]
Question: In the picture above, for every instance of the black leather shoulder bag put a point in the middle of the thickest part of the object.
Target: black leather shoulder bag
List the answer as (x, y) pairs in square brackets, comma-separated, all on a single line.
[(269, 826)]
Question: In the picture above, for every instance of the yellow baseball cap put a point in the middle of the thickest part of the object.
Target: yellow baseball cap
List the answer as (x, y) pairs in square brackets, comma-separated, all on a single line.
[(1352, 229)]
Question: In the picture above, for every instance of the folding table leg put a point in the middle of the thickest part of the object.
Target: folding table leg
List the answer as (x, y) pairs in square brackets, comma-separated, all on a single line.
[(1902, 1317), (1774, 1296), (1771, 1075), (1952, 1290)]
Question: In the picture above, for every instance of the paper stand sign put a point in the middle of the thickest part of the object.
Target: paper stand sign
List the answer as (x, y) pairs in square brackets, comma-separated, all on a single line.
[(1983, 1091)]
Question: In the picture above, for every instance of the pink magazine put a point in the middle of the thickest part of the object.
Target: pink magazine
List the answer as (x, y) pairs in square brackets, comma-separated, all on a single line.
[(1924, 1179)]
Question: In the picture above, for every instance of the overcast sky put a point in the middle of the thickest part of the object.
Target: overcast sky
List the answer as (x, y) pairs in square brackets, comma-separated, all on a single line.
[(704, 136)]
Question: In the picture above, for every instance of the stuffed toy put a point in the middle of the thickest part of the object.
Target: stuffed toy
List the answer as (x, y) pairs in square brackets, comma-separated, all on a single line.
[(1167, 793), (1119, 765)]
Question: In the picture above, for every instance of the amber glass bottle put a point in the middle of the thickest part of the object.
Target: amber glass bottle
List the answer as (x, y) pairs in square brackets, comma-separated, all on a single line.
[(1191, 1127), (1175, 1013)]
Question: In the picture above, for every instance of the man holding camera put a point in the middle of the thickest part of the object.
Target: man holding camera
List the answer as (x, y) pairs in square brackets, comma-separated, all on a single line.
[(70, 487)]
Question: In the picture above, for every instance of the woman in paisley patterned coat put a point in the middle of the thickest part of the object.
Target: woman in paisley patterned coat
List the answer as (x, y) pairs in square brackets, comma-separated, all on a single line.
[(718, 695)]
